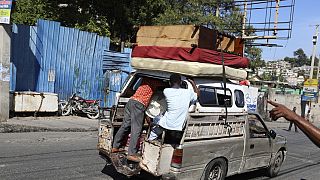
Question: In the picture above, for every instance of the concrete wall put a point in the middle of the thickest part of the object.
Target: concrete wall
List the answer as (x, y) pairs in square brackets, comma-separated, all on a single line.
[(291, 101), (5, 39)]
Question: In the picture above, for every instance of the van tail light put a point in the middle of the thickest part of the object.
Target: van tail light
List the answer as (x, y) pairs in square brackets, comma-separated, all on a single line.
[(176, 160)]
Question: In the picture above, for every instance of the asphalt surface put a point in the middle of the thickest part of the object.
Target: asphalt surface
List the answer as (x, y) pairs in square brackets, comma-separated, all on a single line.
[(73, 155), (302, 162)]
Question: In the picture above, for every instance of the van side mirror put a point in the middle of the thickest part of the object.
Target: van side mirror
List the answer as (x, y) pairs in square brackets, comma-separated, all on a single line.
[(272, 134)]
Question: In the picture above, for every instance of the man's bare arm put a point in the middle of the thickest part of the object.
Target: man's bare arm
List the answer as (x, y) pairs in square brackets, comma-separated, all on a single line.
[(312, 132), (194, 86)]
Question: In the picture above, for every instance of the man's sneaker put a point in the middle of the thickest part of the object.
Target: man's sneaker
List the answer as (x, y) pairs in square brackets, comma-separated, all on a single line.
[(134, 158)]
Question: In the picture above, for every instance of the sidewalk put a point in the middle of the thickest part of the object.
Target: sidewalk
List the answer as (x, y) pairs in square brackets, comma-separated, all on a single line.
[(284, 124), (53, 123)]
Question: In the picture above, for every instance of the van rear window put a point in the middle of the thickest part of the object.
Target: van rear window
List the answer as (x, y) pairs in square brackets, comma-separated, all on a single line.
[(214, 97)]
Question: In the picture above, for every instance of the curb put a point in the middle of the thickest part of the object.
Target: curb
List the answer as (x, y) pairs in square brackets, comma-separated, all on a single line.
[(14, 128)]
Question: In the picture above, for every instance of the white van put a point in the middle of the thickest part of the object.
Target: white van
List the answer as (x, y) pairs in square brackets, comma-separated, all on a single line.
[(211, 146)]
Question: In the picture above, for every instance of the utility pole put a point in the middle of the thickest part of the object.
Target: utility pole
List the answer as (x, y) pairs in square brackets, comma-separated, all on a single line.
[(314, 41), (318, 67), (5, 45), (244, 19), (5, 50)]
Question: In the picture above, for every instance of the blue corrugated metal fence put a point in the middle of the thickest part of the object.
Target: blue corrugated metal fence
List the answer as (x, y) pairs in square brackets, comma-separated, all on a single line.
[(52, 58), (117, 68)]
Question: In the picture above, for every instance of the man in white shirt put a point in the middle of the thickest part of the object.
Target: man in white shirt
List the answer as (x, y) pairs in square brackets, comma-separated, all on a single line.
[(178, 102)]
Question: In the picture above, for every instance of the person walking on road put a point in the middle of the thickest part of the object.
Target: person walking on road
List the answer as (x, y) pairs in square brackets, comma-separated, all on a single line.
[(311, 131), (295, 126), (134, 117)]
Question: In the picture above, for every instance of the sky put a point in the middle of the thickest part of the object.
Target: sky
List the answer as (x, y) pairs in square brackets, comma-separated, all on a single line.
[(307, 12)]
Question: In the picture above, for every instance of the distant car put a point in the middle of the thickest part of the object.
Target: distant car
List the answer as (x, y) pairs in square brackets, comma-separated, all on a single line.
[(208, 148)]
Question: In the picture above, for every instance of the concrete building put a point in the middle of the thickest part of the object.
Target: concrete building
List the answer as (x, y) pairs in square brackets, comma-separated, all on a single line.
[(279, 65), (284, 69)]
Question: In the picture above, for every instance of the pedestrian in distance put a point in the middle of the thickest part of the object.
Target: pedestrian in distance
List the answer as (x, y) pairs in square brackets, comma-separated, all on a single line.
[(291, 123), (308, 115), (311, 131), (134, 117)]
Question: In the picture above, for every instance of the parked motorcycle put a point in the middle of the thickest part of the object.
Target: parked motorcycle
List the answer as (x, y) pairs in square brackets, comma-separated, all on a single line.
[(77, 104)]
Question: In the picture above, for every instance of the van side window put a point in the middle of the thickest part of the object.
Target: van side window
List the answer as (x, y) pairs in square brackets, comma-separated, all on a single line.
[(256, 129), (239, 96), (214, 97)]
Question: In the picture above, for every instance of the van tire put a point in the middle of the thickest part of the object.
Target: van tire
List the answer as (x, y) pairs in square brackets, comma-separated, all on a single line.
[(275, 165), (216, 170)]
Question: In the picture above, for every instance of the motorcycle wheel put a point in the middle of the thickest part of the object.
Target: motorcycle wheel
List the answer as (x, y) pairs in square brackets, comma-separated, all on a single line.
[(65, 109), (95, 113)]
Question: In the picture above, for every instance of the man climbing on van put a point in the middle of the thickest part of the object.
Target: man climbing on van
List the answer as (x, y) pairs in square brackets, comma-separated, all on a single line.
[(134, 117), (178, 102)]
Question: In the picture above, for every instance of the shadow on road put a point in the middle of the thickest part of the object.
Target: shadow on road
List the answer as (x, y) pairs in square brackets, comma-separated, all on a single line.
[(297, 168), (112, 172), (249, 175)]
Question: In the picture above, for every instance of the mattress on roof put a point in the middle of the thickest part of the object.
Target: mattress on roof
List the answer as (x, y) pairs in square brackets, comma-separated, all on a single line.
[(190, 54), (187, 68)]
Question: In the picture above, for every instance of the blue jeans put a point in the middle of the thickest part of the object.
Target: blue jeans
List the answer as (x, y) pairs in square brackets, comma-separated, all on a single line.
[(156, 130)]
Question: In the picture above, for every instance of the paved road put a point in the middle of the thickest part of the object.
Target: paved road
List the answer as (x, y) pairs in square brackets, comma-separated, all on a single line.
[(50, 156), (73, 156), (303, 160)]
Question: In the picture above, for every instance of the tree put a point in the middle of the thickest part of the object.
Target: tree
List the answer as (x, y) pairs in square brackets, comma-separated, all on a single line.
[(78, 14), (316, 61), (254, 53), (301, 57), (301, 73), (218, 14), (122, 16), (282, 79), (29, 11), (254, 64), (266, 77), (118, 19)]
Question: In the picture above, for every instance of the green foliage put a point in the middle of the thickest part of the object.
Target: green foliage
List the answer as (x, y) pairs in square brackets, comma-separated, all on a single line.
[(119, 19), (29, 11), (93, 25), (254, 64), (125, 15), (253, 53), (266, 77), (75, 14), (316, 61), (219, 14), (300, 59), (282, 79)]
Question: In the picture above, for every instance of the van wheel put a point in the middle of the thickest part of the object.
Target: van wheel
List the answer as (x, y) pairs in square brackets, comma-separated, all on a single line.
[(275, 165), (216, 170)]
